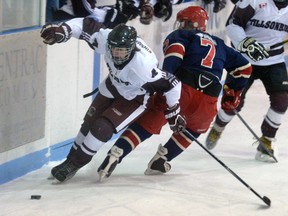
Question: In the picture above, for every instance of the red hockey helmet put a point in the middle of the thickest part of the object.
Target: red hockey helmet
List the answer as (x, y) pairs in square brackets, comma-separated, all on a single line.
[(193, 17)]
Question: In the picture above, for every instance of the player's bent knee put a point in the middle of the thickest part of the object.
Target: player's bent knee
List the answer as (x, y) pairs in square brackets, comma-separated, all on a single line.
[(102, 129)]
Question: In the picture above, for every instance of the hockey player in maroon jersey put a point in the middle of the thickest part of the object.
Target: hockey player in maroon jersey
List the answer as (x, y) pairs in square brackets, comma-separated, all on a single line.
[(123, 95), (197, 59), (254, 25)]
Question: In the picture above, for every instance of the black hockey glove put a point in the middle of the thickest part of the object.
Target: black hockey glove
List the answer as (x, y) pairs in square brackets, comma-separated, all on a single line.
[(219, 5), (163, 9), (254, 50), (114, 17), (146, 13), (55, 33), (176, 121), (128, 8)]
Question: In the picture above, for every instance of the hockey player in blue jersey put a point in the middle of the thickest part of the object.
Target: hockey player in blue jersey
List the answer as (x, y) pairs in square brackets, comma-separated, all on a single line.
[(254, 25), (197, 59)]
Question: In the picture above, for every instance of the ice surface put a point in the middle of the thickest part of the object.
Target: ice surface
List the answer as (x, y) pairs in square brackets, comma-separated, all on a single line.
[(197, 184)]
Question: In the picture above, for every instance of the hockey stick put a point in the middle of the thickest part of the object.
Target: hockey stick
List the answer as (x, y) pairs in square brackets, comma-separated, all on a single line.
[(84, 96), (91, 93), (277, 44), (255, 135), (265, 199), (63, 145)]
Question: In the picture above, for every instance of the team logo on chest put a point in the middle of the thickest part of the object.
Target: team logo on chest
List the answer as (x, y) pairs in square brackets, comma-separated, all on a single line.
[(262, 5), (114, 76)]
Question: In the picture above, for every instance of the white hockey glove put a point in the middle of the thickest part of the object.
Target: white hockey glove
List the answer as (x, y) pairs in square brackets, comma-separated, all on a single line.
[(254, 50), (55, 33), (177, 122)]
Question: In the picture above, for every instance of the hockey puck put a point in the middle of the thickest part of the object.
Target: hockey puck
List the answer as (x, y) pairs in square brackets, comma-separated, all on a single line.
[(36, 197)]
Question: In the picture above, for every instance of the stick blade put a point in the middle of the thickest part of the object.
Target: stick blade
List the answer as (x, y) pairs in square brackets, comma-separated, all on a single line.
[(267, 201)]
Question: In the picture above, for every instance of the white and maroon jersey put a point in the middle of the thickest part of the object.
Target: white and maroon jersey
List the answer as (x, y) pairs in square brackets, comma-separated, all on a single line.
[(262, 20), (140, 76), (153, 2)]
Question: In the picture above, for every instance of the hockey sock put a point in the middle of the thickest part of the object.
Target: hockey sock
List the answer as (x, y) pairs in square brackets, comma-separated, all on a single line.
[(131, 138), (78, 140), (275, 114), (177, 144), (223, 118)]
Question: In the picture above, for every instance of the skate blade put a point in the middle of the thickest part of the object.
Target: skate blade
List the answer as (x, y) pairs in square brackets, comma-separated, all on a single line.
[(152, 172), (56, 182), (210, 145), (264, 157), (102, 176), (50, 177)]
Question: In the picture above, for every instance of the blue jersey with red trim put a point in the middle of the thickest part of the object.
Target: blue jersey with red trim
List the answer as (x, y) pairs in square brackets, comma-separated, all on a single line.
[(197, 50)]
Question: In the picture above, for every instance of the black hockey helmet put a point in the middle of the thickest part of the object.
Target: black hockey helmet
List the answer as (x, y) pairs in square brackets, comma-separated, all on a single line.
[(122, 43), (282, 3)]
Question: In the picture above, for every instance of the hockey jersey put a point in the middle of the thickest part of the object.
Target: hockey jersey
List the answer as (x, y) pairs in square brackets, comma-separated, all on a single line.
[(262, 20), (140, 75), (199, 51)]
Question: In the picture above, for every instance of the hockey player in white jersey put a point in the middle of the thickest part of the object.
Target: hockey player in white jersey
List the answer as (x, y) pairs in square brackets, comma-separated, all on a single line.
[(121, 12), (253, 27), (123, 94)]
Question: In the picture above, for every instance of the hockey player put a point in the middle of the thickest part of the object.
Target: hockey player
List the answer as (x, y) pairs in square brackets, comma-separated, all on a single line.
[(121, 12), (197, 59), (123, 94), (254, 25)]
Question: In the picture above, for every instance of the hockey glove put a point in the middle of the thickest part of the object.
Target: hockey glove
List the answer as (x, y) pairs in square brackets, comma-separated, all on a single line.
[(146, 14), (176, 121), (55, 33), (90, 26), (230, 99), (163, 9), (219, 5), (254, 50), (114, 17), (128, 8), (92, 3)]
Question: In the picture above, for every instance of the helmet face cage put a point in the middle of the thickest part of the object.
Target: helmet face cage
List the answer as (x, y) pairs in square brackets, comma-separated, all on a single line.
[(281, 2), (193, 17), (120, 55), (121, 43)]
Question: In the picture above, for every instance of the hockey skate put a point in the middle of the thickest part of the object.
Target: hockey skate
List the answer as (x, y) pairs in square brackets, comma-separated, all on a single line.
[(158, 164), (212, 138), (262, 153), (64, 171), (55, 169), (110, 163)]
